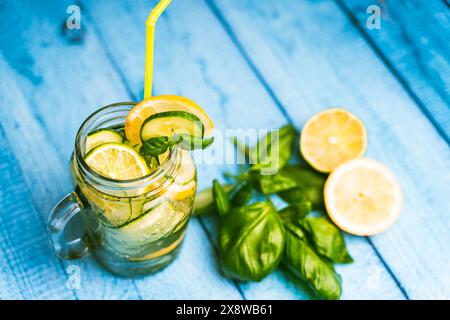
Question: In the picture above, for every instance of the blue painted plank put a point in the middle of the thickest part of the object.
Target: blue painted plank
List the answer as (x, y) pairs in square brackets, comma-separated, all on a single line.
[(48, 178), (206, 66), (52, 83), (312, 57), (28, 269), (414, 42)]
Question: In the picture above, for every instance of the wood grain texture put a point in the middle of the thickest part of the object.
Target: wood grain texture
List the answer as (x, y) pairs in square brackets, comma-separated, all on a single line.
[(48, 179), (247, 73), (28, 271), (54, 82), (196, 58), (414, 41), (312, 57)]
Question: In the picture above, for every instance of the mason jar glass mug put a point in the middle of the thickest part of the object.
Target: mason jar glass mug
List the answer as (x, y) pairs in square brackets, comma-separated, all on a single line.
[(133, 227)]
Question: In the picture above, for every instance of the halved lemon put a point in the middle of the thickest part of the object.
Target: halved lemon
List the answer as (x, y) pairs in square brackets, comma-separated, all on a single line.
[(159, 104), (117, 161), (363, 197), (332, 137)]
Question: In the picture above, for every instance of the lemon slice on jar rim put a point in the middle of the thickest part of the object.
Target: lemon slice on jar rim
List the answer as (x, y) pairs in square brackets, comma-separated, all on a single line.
[(164, 104)]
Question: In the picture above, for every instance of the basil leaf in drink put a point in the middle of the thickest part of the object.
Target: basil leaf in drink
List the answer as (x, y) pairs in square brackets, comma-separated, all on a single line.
[(190, 143), (220, 198), (273, 151), (309, 186), (296, 212), (326, 238), (155, 146), (305, 264), (251, 241)]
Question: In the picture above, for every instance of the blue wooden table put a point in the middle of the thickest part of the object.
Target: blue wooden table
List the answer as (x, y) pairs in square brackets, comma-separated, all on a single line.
[(249, 63)]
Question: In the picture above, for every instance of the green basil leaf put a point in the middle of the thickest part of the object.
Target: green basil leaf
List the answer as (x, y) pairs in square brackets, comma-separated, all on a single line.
[(309, 186), (305, 264), (293, 195), (190, 143), (274, 155), (251, 241), (220, 198), (326, 238), (204, 201), (296, 212), (154, 146), (241, 194), (276, 183)]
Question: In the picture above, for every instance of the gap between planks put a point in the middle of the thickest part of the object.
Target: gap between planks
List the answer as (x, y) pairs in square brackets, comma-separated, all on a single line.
[(119, 71), (229, 31), (401, 80)]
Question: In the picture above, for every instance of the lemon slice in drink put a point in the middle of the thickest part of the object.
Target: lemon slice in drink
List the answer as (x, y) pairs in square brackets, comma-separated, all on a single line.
[(160, 104), (363, 197), (180, 192), (332, 137), (187, 171), (117, 161), (184, 184)]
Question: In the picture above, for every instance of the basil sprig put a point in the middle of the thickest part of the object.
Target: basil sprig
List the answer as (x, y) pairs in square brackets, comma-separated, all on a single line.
[(156, 146), (255, 236), (271, 152), (152, 148)]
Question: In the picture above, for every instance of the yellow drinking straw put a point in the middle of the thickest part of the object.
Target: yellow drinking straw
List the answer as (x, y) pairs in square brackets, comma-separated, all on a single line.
[(150, 45)]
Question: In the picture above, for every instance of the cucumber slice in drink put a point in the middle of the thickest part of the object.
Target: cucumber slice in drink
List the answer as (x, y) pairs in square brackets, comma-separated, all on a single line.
[(114, 212), (149, 205), (136, 207), (171, 122), (101, 136), (187, 172), (178, 192), (153, 225)]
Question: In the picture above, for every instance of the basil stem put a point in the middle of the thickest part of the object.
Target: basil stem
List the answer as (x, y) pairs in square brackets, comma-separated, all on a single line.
[(272, 153), (220, 198)]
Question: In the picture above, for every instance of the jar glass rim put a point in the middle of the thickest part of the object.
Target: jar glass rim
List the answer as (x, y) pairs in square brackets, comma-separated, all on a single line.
[(165, 169)]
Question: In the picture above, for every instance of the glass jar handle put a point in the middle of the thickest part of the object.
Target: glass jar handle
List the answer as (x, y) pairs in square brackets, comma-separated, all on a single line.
[(61, 214)]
